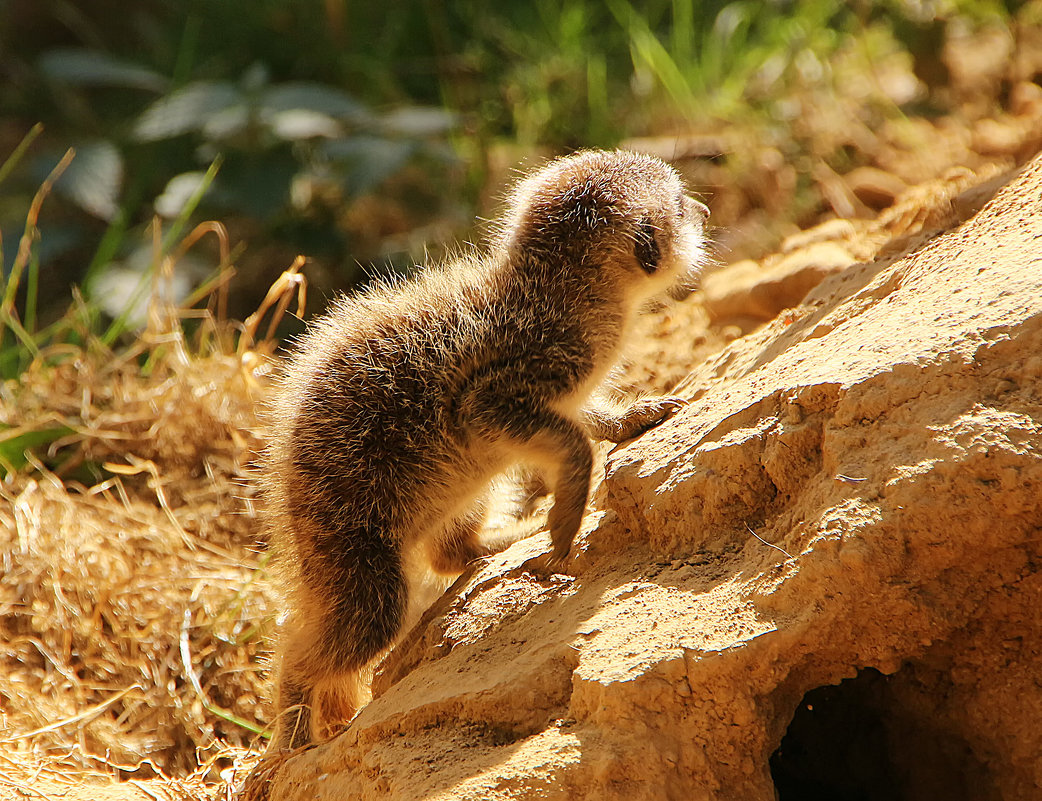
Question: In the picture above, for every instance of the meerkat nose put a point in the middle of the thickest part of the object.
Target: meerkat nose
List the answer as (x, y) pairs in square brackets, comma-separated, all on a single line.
[(696, 208)]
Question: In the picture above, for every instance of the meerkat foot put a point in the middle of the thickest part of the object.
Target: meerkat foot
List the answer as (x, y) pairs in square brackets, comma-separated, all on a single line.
[(313, 711), (336, 700), (646, 413), (547, 564), (455, 556), (293, 726)]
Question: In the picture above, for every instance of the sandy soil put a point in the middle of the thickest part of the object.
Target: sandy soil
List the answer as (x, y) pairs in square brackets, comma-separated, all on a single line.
[(822, 573)]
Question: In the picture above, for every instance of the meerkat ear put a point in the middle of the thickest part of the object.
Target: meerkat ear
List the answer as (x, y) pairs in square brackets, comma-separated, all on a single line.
[(645, 247)]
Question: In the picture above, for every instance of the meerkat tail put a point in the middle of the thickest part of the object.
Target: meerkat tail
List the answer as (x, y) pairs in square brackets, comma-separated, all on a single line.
[(349, 610)]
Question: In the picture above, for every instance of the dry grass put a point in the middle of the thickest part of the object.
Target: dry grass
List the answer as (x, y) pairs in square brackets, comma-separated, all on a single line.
[(133, 601)]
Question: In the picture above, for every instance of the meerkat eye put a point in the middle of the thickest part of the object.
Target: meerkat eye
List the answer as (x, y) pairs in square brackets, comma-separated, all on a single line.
[(645, 247)]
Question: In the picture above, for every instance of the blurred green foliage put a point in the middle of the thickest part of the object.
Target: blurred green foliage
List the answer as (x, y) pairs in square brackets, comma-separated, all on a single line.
[(329, 127), (313, 104)]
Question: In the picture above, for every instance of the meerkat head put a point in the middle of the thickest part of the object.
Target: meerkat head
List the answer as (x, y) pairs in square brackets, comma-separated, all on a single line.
[(622, 216)]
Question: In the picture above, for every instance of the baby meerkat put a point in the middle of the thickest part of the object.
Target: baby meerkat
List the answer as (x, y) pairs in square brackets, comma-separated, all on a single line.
[(401, 404)]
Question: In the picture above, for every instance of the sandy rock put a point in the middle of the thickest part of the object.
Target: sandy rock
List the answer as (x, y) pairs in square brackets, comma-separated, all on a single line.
[(977, 62), (874, 187), (828, 231), (747, 289), (821, 575), (1000, 137), (1025, 100), (748, 292)]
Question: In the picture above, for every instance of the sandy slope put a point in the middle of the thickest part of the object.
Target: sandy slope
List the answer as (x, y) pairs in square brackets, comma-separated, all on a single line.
[(853, 491)]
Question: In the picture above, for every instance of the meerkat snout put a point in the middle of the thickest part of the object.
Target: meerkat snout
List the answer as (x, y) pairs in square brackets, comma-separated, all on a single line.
[(686, 281), (401, 404)]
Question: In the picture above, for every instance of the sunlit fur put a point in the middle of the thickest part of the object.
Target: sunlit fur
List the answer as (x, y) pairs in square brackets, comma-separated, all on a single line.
[(399, 406)]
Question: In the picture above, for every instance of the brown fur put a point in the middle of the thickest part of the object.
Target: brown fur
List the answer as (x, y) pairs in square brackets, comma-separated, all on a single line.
[(400, 405)]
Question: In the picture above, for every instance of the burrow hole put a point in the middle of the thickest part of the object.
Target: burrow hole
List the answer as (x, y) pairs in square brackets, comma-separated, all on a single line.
[(876, 738)]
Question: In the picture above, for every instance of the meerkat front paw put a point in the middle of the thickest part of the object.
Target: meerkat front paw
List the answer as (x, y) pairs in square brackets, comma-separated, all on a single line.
[(647, 413), (640, 416)]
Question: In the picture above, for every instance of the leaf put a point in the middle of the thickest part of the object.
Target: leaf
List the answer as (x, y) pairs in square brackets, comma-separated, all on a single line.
[(94, 178), (419, 121), (125, 290), (300, 96), (298, 124), (227, 122), (81, 67), (367, 160), (178, 191), (190, 108), (12, 449), (259, 186)]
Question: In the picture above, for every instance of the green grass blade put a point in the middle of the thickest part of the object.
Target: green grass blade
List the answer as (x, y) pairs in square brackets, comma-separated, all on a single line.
[(646, 47), (108, 247), (32, 290), (31, 232), (12, 161), (177, 227), (173, 234), (13, 446)]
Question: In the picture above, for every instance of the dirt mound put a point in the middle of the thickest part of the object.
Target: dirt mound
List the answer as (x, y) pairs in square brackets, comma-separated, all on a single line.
[(820, 576)]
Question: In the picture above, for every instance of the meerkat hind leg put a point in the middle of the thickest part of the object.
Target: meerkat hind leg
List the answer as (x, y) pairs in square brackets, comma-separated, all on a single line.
[(334, 701), (459, 544), (293, 703), (314, 704)]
